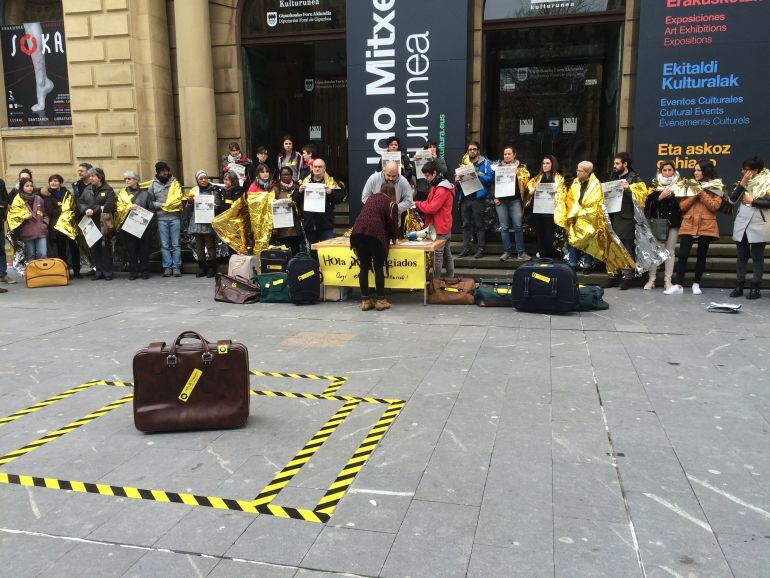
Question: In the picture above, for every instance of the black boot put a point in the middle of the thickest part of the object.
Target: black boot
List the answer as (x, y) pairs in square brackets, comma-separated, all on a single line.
[(754, 292), (738, 291), (212, 269), (201, 269)]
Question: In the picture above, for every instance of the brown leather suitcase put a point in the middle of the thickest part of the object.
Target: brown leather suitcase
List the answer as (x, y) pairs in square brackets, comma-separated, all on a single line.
[(191, 386)]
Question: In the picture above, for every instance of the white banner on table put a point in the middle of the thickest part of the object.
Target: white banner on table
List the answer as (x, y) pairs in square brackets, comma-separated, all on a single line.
[(394, 157), (283, 216), (422, 158), (315, 198), (505, 181), (90, 231), (469, 180), (204, 208), (613, 195), (545, 193), (136, 221)]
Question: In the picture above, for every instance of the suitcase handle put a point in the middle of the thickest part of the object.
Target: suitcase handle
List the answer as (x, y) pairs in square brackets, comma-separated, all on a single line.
[(177, 342)]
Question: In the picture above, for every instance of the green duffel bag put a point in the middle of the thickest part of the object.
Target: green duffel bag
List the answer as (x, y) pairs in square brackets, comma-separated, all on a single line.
[(274, 288), (494, 293), (591, 298)]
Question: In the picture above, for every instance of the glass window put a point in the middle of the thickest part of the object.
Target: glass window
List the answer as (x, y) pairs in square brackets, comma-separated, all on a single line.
[(271, 17), (553, 90), (508, 9)]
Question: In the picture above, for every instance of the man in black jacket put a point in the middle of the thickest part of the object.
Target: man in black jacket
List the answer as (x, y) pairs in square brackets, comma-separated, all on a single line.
[(319, 226), (623, 222), (99, 198)]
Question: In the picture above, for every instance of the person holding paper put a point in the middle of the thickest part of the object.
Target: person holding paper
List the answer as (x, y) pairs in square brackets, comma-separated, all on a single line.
[(320, 226), (389, 174), (99, 199), (623, 222), (437, 210), (509, 207), (240, 164), (699, 222), (203, 233), (287, 189), (168, 213), (472, 206), (662, 205), (543, 222), (129, 198), (422, 187), (407, 166)]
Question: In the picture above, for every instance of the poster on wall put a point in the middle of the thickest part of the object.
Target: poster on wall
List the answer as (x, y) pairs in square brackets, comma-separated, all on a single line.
[(508, 9), (701, 88), (265, 17), (35, 73), (400, 56)]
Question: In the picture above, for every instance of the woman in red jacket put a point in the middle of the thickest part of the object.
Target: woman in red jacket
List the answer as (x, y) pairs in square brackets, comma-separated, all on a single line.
[(374, 229), (437, 210)]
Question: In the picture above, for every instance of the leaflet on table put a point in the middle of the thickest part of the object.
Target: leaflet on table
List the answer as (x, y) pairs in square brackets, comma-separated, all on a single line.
[(283, 216), (421, 158), (505, 181), (613, 195), (315, 198), (90, 231), (136, 221), (394, 157), (469, 180), (204, 208), (545, 193)]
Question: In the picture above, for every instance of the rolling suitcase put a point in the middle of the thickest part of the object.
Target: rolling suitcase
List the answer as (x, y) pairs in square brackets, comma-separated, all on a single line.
[(243, 267), (543, 286), (274, 260), (191, 386), (305, 280)]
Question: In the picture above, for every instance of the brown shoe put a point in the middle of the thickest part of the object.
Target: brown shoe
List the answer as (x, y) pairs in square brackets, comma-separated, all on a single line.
[(3, 290), (382, 304), (367, 305)]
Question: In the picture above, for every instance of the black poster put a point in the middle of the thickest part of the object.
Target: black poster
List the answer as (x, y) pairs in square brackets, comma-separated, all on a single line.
[(508, 9), (407, 76), (35, 69), (269, 17), (702, 85)]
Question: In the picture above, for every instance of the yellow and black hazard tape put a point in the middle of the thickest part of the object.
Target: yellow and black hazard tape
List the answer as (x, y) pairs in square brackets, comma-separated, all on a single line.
[(335, 492), (336, 381), (45, 403)]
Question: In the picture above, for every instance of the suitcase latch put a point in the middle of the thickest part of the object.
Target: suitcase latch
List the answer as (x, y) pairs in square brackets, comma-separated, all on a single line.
[(222, 349), (171, 360), (207, 357)]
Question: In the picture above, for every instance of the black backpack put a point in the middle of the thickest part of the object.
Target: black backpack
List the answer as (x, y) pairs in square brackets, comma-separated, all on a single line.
[(304, 280)]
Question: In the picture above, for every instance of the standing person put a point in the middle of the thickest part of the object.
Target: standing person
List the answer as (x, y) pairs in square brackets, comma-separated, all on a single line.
[(203, 233), (423, 187), (231, 190), (263, 156), (624, 222), (510, 209), (407, 166), (437, 210), (23, 174), (309, 154), (699, 222), (319, 226), (287, 188), (543, 223), (167, 202), (62, 200), (751, 231), (78, 186), (239, 163), (99, 199), (390, 174), (33, 229), (264, 181), (472, 206), (130, 197), (82, 181), (662, 204), (373, 231), (4, 202), (289, 157)]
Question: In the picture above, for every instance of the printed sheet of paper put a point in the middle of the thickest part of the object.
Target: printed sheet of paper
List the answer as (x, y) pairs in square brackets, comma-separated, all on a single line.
[(505, 181), (421, 158), (137, 221), (469, 180), (239, 170), (315, 198), (613, 195), (90, 231), (204, 208), (283, 217), (545, 193), (392, 156)]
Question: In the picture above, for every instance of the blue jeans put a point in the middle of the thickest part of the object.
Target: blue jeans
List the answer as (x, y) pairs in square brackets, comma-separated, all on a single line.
[(35, 249), (574, 256), (170, 249), (3, 258), (509, 210)]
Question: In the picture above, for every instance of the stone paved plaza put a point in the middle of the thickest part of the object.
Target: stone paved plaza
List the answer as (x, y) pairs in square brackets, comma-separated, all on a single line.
[(629, 442)]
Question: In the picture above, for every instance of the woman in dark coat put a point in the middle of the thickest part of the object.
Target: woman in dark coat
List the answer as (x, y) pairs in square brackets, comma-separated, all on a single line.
[(99, 199)]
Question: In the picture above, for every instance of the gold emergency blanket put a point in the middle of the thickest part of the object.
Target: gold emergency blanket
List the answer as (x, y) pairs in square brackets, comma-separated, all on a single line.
[(174, 199), (125, 202), (230, 225), (759, 186), (640, 192), (561, 185), (715, 186), (588, 227), (18, 212), (328, 181), (260, 211), (67, 222), (412, 222)]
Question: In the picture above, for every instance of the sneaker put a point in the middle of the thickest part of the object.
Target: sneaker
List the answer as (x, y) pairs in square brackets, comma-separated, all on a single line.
[(666, 285), (696, 289), (479, 254), (524, 257), (3, 290), (7, 279), (382, 304), (505, 256), (167, 272), (464, 253), (674, 290), (177, 272), (650, 285), (367, 305)]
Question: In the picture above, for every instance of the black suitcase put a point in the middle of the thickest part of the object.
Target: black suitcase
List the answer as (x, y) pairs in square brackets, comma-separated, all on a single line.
[(543, 286), (274, 260), (304, 280)]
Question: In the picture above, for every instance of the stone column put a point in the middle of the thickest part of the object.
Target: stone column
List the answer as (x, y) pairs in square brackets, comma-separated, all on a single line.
[(195, 79)]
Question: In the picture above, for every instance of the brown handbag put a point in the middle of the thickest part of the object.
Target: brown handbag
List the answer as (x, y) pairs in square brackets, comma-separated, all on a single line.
[(107, 225), (451, 291), (46, 273), (191, 386), (235, 290)]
